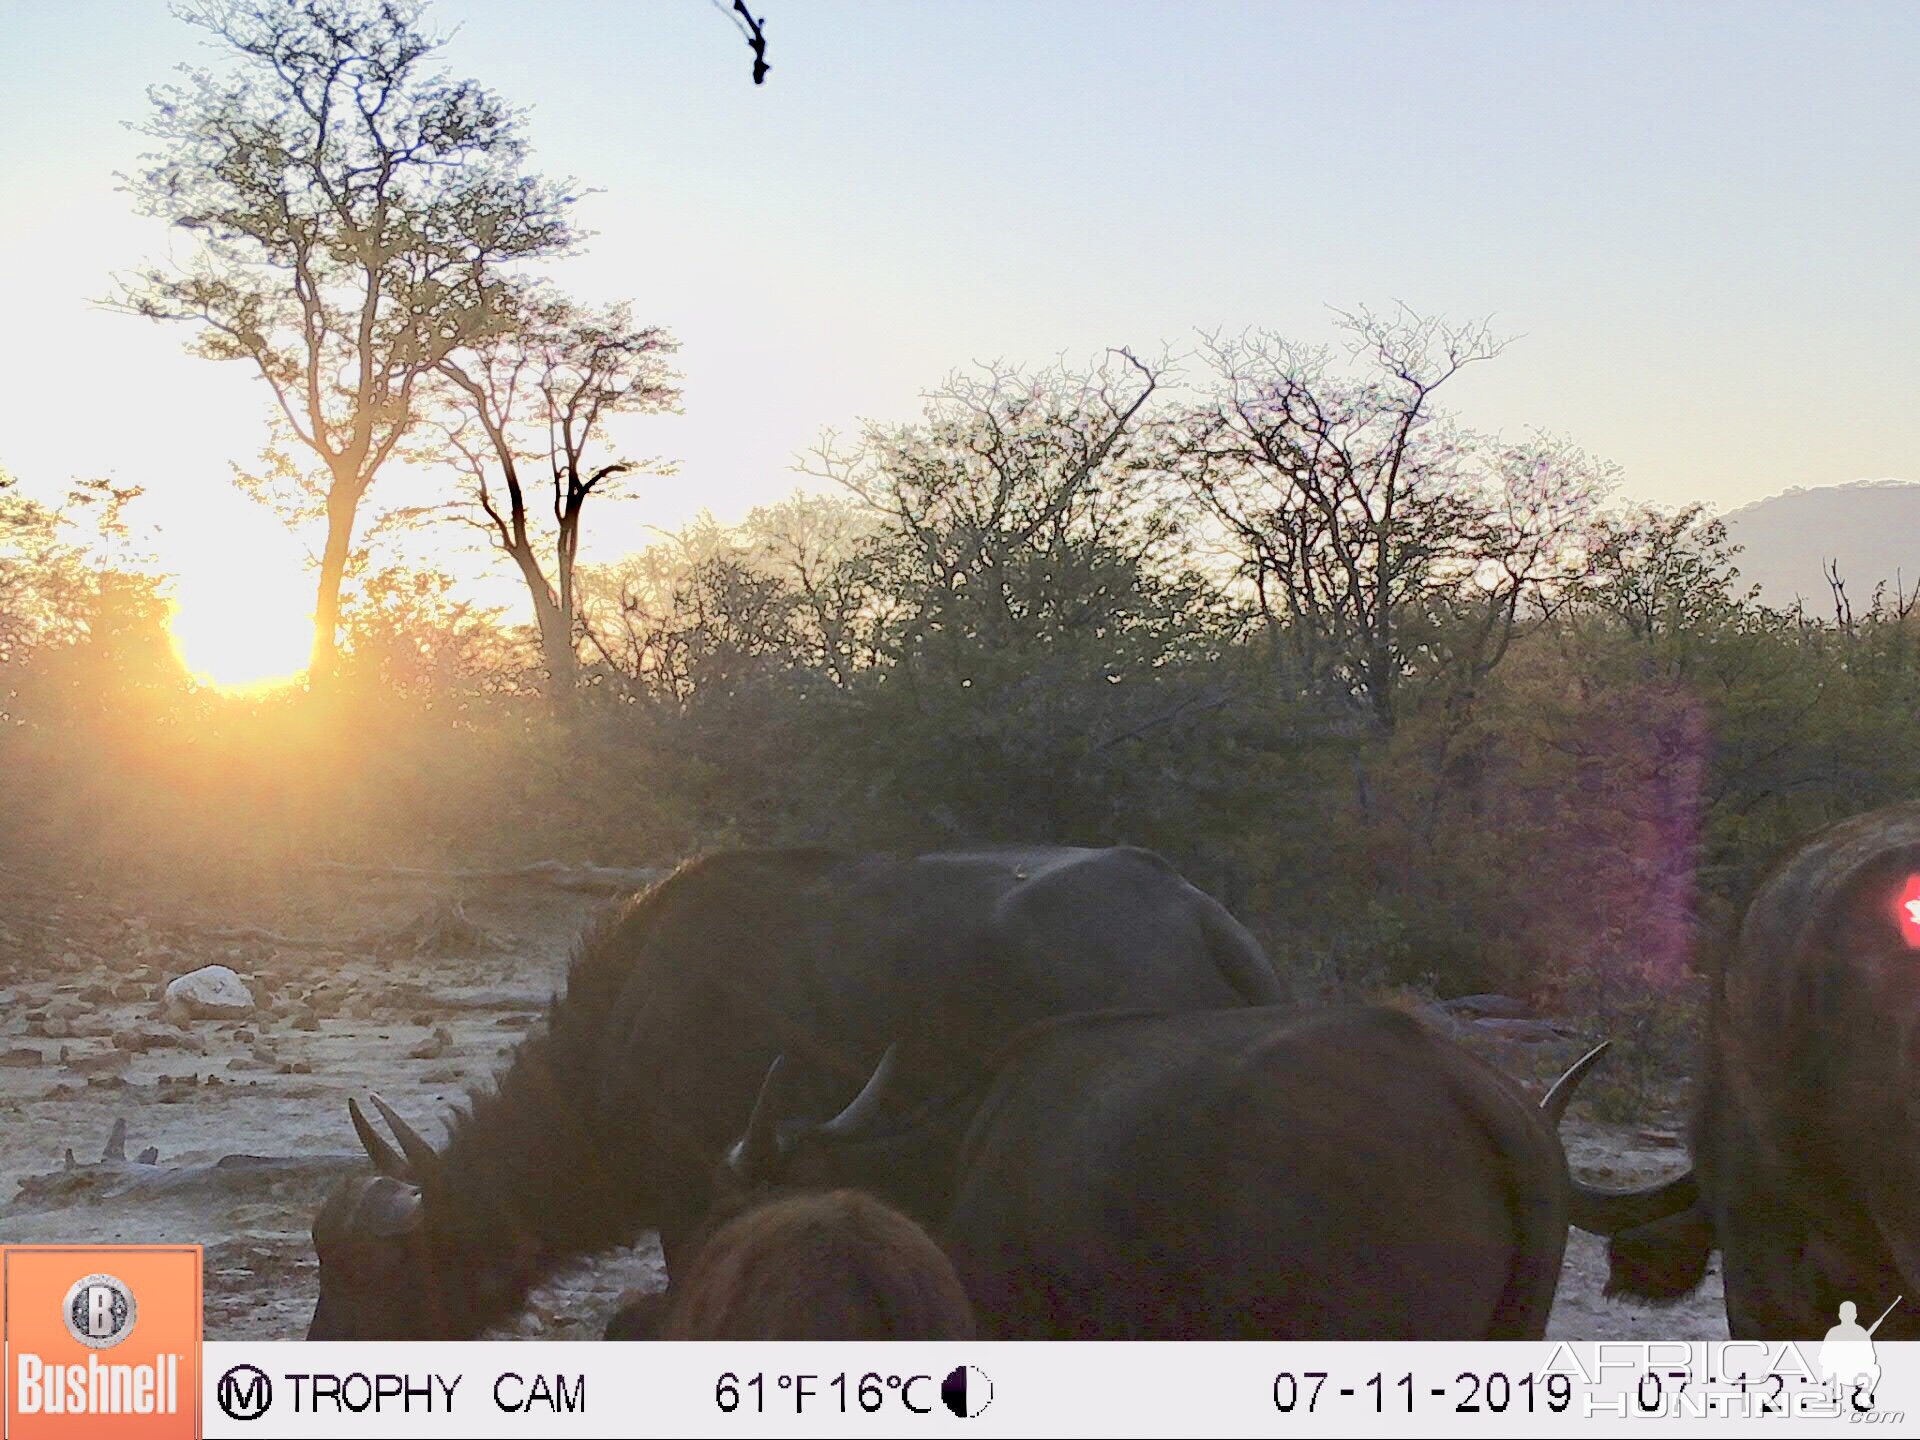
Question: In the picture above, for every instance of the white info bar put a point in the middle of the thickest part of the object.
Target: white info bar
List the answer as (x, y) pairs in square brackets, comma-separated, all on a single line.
[(1057, 1391)]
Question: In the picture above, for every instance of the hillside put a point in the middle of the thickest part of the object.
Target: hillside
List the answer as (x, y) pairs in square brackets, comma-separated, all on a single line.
[(1872, 527)]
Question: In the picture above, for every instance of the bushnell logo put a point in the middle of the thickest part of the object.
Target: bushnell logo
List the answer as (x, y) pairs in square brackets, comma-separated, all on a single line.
[(100, 1311), (103, 1342)]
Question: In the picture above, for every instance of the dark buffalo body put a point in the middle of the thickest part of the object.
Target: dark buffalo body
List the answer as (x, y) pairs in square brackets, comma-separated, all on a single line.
[(1249, 1173), (1806, 1141), (612, 1119)]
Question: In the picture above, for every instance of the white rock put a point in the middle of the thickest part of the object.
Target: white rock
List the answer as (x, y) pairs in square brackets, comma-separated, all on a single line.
[(213, 992)]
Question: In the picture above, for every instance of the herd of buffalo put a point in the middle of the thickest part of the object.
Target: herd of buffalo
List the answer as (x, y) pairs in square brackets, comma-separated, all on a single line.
[(1061, 1093)]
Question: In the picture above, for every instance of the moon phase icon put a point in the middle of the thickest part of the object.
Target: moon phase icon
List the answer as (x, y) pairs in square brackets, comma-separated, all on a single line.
[(966, 1391)]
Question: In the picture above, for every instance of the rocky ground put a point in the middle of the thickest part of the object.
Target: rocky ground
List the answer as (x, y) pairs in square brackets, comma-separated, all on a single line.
[(365, 984)]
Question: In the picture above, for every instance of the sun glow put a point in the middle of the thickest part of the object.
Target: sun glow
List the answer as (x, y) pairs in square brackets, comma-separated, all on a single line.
[(245, 633)]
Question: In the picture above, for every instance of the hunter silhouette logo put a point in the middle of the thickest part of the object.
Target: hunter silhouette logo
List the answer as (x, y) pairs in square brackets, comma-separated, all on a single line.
[(1847, 1354), (102, 1342)]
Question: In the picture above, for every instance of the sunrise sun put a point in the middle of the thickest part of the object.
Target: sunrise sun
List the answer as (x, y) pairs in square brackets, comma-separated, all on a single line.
[(243, 633)]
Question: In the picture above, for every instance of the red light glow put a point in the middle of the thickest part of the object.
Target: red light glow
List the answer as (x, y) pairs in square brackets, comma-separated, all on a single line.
[(1906, 912)]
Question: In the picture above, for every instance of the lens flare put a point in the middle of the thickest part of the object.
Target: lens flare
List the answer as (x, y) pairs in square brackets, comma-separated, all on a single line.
[(1906, 912)]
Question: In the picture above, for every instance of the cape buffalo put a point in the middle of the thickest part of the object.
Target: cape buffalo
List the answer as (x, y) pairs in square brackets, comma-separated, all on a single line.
[(1806, 1131), (611, 1119), (833, 1265), (1235, 1174)]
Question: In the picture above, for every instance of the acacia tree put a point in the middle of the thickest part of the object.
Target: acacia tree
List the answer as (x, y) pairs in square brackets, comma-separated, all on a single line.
[(835, 555), (694, 620), (1048, 630), (1379, 541), (354, 212), (525, 408), (802, 588), (1011, 487), (30, 554)]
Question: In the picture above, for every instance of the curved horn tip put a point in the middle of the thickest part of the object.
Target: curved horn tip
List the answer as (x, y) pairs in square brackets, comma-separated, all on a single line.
[(871, 1098), (386, 1160), (1554, 1103), (754, 1152), (416, 1147)]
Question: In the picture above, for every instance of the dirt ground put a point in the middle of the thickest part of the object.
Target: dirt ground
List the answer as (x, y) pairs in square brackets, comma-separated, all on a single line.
[(84, 1044)]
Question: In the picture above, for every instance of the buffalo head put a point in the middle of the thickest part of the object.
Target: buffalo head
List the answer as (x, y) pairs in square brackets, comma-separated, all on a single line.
[(393, 1263), (778, 1151)]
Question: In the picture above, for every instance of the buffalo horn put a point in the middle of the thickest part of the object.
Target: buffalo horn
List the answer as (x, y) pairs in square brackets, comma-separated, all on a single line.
[(420, 1155), (385, 1158), (866, 1105), (754, 1156), (1557, 1099), (1608, 1212)]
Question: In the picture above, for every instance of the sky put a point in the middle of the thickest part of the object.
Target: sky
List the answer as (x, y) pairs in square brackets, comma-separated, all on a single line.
[(1699, 219)]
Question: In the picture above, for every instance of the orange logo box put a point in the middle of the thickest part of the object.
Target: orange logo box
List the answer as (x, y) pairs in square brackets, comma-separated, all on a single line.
[(102, 1341)]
